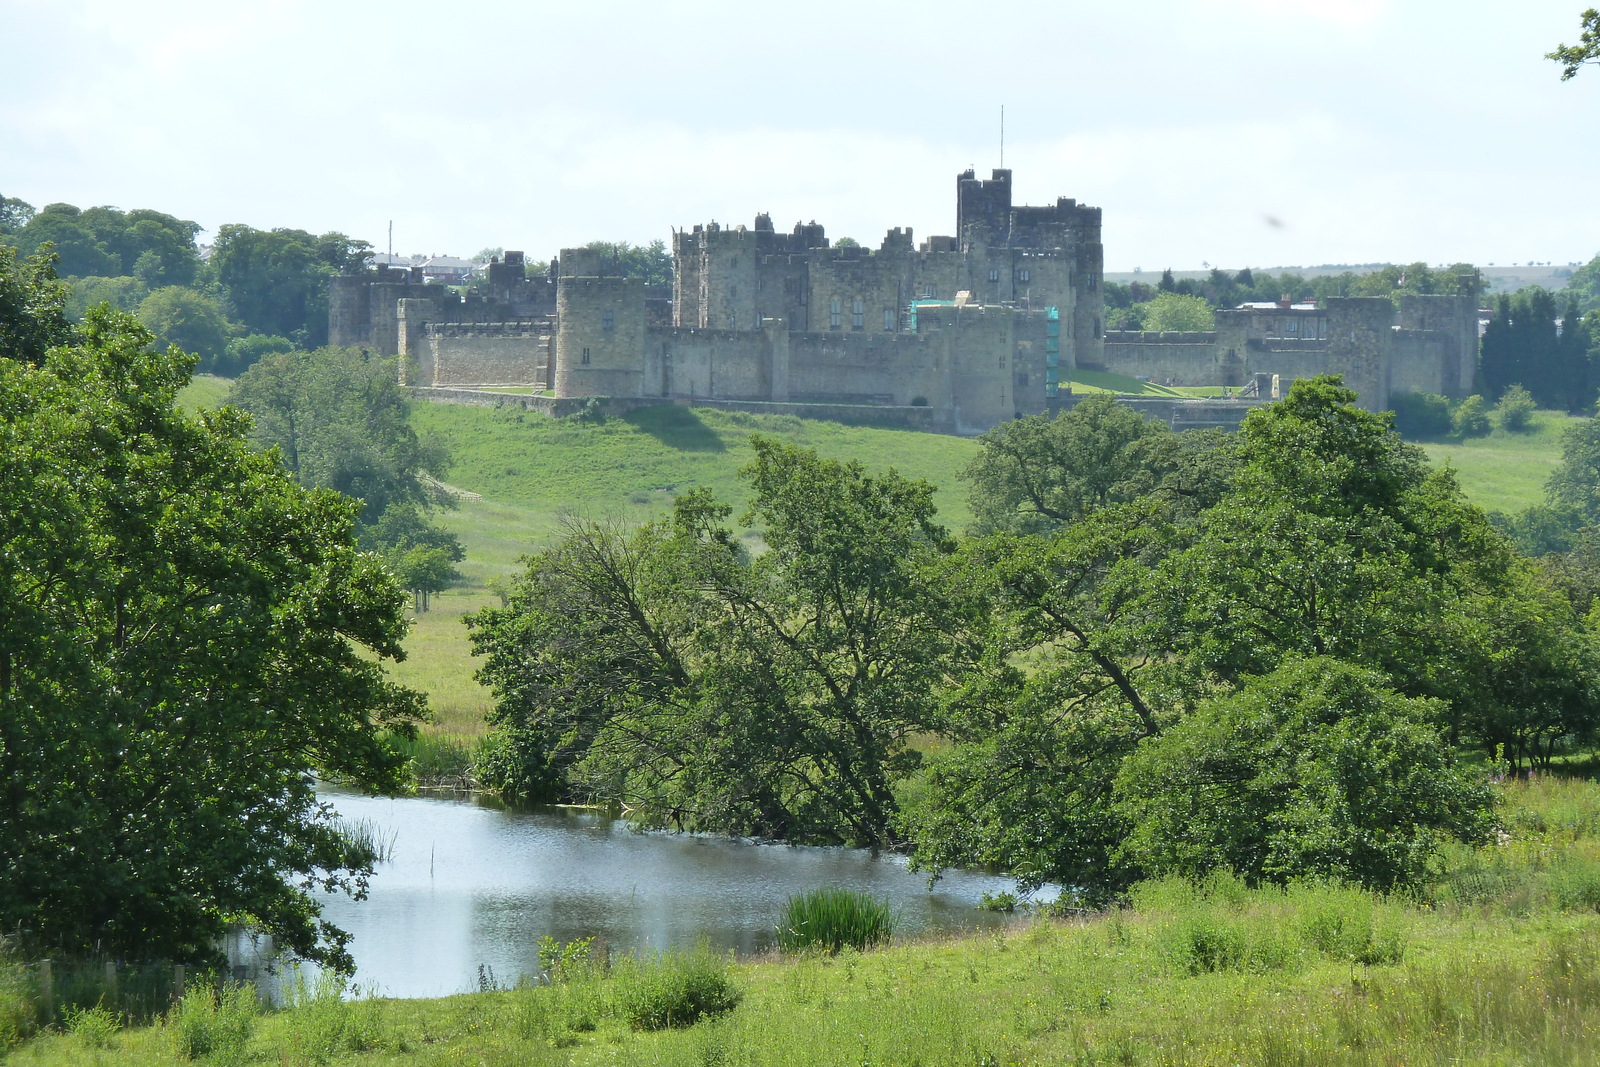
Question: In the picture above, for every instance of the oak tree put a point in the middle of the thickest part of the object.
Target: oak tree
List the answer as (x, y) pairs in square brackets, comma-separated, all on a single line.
[(187, 637)]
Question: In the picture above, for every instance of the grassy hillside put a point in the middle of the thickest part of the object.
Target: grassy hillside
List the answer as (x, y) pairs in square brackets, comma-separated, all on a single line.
[(535, 468), (1506, 471), (1498, 962), (1099, 381), (204, 391)]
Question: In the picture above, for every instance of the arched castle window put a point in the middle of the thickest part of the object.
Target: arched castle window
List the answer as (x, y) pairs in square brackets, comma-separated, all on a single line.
[(888, 318), (928, 291), (608, 319), (994, 275), (833, 313), (858, 313), (1024, 275)]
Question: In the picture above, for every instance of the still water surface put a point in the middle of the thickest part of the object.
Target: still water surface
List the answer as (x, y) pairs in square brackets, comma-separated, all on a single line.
[(473, 884)]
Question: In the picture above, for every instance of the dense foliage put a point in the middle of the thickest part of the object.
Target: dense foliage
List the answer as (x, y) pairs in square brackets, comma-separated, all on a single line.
[(256, 286), (664, 668), (1183, 304), (185, 636), (339, 420), (1533, 343), (1302, 618)]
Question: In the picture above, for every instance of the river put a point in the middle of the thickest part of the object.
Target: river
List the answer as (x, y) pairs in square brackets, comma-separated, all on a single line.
[(473, 885)]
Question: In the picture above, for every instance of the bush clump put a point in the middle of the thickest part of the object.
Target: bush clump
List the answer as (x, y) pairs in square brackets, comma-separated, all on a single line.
[(1515, 410), (208, 1023), (674, 989), (1421, 414), (831, 918), (1471, 418)]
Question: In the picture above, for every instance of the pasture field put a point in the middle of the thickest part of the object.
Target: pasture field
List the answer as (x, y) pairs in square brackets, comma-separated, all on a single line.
[(630, 467), (1506, 471)]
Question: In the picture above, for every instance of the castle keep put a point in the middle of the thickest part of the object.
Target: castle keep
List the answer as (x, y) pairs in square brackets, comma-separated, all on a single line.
[(965, 330), (974, 326)]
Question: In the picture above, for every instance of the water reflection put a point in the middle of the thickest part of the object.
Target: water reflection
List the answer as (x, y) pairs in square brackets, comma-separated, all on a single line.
[(473, 885)]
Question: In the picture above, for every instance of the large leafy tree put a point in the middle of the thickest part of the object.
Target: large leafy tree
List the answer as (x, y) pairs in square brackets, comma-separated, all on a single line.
[(32, 304), (14, 214), (652, 262), (107, 242), (277, 279), (1331, 542), (191, 320), (1316, 770), (1068, 688), (339, 420), (664, 669), (1039, 473), (186, 635)]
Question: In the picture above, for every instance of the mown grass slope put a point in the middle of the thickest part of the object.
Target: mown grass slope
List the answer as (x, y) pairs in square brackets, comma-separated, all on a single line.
[(531, 469)]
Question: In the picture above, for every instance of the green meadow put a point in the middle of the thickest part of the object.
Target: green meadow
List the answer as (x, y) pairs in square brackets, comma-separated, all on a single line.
[(1506, 471)]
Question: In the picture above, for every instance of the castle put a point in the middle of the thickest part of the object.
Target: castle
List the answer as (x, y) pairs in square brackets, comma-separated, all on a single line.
[(962, 331)]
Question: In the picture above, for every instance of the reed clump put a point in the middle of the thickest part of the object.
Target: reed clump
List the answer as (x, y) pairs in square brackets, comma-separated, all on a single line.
[(832, 918)]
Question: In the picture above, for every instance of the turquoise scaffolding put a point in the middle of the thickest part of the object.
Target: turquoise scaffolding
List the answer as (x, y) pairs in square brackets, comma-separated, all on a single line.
[(1052, 352)]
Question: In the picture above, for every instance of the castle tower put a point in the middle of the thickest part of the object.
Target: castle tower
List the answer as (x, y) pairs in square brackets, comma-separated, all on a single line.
[(1360, 341), (600, 335)]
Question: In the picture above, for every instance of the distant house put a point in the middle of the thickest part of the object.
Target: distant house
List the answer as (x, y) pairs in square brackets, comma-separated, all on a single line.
[(446, 270)]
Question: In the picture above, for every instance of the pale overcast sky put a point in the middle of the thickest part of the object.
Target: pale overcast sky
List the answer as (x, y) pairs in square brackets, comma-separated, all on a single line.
[(1229, 132)]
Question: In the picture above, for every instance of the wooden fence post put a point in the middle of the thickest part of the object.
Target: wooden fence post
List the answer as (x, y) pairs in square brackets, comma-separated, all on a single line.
[(177, 982), (47, 991), (111, 984)]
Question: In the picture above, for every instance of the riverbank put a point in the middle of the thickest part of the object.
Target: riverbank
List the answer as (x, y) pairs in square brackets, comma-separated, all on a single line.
[(1498, 962)]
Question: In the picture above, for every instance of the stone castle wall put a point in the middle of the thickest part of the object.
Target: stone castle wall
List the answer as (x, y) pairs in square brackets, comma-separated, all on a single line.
[(755, 315), (501, 353)]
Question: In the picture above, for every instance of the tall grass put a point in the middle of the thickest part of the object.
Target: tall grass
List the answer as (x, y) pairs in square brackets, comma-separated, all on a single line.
[(213, 1024), (831, 918)]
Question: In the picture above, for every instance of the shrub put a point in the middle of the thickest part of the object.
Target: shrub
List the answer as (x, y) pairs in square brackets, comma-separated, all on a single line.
[(674, 989), (215, 1025), (95, 1027), (833, 917), (1515, 410), (321, 1024), (1206, 941), (512, 761), (1421, 414), (18, 1018), (1471, 418), (1330, 774), (1340, 922)]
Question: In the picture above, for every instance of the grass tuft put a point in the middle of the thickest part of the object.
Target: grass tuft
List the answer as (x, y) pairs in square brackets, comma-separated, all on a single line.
[(832, 918)]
